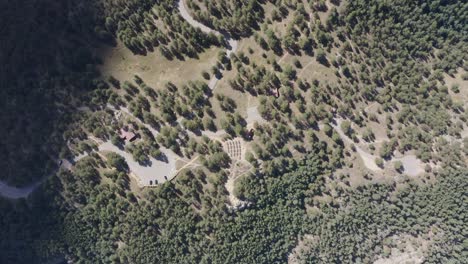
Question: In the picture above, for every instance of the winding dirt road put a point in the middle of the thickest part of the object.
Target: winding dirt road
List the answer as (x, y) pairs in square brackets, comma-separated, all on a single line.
[(11, 192), (232, 43), (367, 158), (411, 164)]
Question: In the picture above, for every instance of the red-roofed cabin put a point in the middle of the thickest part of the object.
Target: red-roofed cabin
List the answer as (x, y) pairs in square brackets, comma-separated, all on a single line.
[(127, 135)]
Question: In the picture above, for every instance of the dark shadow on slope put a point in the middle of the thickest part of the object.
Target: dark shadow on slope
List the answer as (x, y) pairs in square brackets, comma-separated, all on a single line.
[(46, 66)]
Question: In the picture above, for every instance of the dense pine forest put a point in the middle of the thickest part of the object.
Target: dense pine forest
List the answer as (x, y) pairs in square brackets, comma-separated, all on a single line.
[(345, 93), (164, 228)]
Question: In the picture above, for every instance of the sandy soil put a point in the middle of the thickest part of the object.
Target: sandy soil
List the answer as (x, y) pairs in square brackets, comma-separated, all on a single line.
[(412, 165), (302, 244), (233, 200), (409, 250)]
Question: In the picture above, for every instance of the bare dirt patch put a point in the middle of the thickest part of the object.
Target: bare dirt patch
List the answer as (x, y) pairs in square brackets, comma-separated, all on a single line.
[(302, 245), (457, 79), (412, 165), (253, 116), (237, 170)]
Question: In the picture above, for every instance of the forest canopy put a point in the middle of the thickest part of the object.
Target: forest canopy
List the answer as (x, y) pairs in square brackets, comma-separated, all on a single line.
[(303, 131)]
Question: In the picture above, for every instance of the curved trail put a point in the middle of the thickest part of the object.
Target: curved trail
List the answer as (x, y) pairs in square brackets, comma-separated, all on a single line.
[(367, 158), (146, 173), (17, 193), (411, 164), (11, 192), (232, 43)]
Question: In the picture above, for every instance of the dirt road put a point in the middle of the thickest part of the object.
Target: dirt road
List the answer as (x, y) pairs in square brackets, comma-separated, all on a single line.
[(232, 43)]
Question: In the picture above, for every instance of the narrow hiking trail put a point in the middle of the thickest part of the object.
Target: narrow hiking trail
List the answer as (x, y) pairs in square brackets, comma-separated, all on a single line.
[(232, 43)]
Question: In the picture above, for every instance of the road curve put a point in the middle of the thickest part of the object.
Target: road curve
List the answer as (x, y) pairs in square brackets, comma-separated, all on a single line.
[(186, 15), (11, 192), (232, 43)]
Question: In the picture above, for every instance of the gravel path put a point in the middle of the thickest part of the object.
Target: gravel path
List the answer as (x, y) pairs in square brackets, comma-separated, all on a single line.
[(411, 164), (186, 15), (17, 193), (232, 43), (367, 158)]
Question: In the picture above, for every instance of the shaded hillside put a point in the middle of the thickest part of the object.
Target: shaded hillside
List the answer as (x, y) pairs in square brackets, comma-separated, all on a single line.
[(43, 71), (47, 66)]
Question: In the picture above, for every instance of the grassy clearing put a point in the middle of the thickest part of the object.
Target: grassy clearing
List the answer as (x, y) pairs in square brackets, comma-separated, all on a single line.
[(153, 68)]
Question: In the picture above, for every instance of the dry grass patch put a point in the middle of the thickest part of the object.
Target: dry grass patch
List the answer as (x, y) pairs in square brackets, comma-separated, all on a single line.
[(153, 68)]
